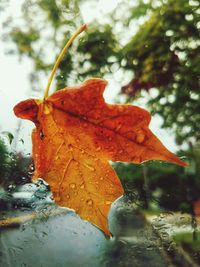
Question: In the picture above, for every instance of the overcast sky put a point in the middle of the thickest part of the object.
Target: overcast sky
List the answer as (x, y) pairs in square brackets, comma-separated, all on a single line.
[(15, 85)]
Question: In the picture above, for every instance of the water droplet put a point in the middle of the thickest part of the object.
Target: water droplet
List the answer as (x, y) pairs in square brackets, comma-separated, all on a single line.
[(85, 124), (101, 178), (118, 127), (89, 167), (68, 196), (110, 138), (73, 186), (98, 148), (21, 140), (32, 167), (82, 186), (89, 202), (42, 135), (82, 151), (70, 147), (120, 151), (140, 138), (108, 202)]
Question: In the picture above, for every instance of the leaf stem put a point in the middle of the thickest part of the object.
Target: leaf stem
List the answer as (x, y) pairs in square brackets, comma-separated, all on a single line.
[(60, 57)]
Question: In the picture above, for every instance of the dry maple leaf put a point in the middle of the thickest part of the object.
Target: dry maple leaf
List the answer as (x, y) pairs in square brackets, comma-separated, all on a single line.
[(76, 134)]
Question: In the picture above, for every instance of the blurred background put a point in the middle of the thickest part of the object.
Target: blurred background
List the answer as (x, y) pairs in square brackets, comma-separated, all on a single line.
[(148, 50)]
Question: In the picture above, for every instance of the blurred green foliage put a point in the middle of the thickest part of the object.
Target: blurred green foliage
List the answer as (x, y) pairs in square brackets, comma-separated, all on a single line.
[(4, 161), (187, 242), (164, 54), (170, 187), (14, 168)]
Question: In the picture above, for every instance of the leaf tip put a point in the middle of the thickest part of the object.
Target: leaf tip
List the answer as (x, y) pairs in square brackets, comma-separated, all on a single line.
[(176, 160), (183, 163)]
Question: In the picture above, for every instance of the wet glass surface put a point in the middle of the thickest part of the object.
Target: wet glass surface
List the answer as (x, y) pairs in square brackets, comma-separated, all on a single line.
[(149, 53), (53, 236)]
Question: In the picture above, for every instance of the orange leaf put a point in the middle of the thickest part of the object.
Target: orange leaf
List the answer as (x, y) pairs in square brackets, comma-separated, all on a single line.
[(76, 135)]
